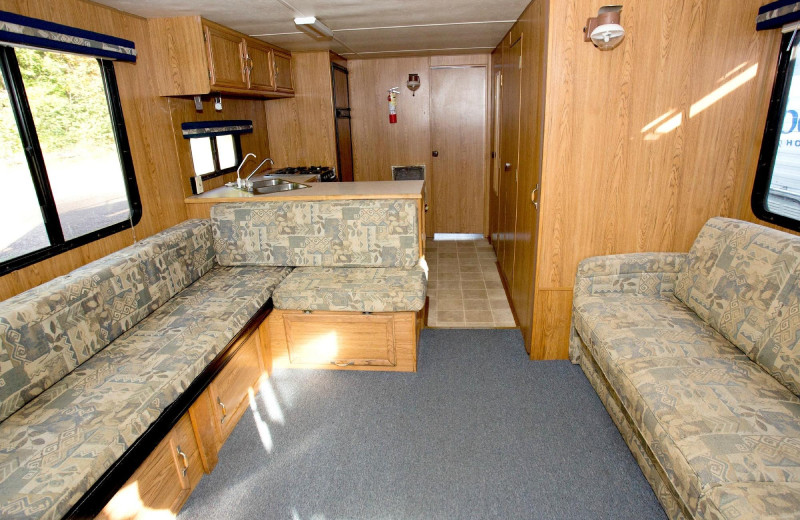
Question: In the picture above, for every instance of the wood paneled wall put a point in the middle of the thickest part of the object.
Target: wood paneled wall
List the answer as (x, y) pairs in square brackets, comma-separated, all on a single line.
[(378, 145), (147, 118), (302, 128), (182, 110), (645, 142)]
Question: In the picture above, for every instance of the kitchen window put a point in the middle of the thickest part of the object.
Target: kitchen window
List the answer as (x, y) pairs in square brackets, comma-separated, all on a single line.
[(216, 146), (67, 175)]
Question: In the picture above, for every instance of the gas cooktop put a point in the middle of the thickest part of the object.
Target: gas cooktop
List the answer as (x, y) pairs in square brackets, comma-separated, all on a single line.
[(326, 173)]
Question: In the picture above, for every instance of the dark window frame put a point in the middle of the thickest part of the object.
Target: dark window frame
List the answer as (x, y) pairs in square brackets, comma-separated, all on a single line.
[(772, 135), (237, 147), (9, 67)]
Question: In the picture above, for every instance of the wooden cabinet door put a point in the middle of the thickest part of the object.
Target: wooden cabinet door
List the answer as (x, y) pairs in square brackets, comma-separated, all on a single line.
[(164, 480), (343, 339), (229, 391), (226, 55), (283, 72), (259, 65), (509, 159), (458, 136)]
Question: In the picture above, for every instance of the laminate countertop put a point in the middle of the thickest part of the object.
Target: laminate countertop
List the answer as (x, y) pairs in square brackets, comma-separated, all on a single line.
[(319, 191)]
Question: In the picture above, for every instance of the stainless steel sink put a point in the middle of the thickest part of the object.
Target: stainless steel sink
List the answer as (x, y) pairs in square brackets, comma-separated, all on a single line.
[(279, 186), (260, 183)]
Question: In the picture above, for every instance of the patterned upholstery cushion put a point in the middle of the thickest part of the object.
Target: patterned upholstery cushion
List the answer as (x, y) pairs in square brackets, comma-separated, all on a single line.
[(365, 289), (56, 447), (333, 233), (710, 415), (744, 280), (48, 331)]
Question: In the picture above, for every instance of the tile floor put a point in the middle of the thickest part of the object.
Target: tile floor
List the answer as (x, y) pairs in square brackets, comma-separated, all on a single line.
[(464, 287)]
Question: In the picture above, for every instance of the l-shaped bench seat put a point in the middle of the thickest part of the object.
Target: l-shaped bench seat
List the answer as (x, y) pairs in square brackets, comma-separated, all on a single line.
[(150, 352)]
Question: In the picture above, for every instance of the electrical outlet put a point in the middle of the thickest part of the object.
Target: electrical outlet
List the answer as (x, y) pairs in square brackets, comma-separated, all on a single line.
[(198, 184)]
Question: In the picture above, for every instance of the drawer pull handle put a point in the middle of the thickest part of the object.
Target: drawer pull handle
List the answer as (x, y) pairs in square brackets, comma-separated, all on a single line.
[(185, 460), (224, 410), (340, 364)]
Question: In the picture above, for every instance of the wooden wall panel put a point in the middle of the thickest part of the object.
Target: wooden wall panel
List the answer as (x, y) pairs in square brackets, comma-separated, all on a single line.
[(302, 128), (148, 123), (631, 163), (378, 145), (182, 110)]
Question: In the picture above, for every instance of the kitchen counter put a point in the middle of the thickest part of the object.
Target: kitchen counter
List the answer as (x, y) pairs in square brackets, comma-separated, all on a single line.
[(318, 191)]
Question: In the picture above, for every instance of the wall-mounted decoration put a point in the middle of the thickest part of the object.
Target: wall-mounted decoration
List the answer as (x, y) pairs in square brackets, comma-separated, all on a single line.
[(413, 83)]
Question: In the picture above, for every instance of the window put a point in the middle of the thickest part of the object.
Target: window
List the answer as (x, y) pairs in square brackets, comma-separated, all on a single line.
[(216, 146), (776, 192), (67, 173)]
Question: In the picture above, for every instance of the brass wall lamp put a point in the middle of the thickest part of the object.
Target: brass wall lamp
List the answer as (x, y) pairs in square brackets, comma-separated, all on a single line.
[(604, 30)]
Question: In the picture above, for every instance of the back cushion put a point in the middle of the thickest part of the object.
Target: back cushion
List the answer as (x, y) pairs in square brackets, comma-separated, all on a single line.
[(332, 233), (742, 279), (48, 331)]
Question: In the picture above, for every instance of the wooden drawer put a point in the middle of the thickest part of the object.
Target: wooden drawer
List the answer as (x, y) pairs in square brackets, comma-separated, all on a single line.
[(349, 340), (164, 480), (229, 390)]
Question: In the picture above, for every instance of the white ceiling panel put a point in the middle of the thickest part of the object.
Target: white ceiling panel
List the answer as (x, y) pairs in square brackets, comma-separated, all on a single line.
[(484, 36), (362, 26)]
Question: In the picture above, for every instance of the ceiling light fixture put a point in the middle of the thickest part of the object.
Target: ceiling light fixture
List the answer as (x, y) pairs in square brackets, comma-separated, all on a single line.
[(314, 28)]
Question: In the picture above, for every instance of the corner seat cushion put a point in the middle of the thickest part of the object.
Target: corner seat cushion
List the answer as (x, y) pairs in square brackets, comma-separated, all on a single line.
[(57, 446), (360, 289), (711, 416), (49, 330)]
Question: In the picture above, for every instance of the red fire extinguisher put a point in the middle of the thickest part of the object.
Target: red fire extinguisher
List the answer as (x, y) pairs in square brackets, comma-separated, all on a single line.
[(393, 104)]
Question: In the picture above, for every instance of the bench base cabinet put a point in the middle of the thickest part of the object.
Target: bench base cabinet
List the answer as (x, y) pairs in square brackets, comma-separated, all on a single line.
[(164, 481), (345, 340)]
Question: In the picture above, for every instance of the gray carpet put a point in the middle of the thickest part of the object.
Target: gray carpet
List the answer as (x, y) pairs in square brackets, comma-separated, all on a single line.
[(478, 432)]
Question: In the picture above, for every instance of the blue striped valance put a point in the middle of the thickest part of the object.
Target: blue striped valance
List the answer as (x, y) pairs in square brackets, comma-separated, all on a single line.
[(211, 128), (15, 28), (777, 14)]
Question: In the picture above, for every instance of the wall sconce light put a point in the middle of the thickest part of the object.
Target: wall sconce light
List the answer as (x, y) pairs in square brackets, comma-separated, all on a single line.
[(313, 27), (413, 83), (604, 30)]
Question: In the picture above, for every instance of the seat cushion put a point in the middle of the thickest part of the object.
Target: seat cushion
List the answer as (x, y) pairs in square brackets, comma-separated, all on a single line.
[(711, 416), (744, 280), (49, 330), (57, 446), (361, 289), (327, 233)]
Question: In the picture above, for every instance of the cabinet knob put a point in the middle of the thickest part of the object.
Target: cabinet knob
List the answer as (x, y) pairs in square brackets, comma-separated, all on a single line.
[(507, 167), (435, 153)]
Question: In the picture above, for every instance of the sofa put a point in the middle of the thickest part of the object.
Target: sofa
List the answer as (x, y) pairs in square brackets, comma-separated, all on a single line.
[(96, 366), (696, 358)]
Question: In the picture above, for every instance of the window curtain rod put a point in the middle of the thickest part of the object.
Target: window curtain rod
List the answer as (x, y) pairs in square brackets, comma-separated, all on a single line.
[(32, 32)]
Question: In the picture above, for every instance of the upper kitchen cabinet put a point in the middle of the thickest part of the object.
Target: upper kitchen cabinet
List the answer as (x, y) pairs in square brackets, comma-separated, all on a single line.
[(198, 57)]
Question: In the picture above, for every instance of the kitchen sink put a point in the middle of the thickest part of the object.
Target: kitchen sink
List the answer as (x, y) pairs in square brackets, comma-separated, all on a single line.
[(279, 186)]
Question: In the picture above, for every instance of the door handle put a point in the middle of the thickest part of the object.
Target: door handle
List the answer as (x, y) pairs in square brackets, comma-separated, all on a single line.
[(533, 196), (508, 167)]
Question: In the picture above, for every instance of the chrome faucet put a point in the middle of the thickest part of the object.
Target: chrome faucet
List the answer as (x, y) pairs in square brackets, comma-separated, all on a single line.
[(249, 185), (239, 182)]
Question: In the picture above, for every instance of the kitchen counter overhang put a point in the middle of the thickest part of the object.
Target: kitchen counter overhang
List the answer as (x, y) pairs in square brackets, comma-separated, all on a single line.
[(319, 191)]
